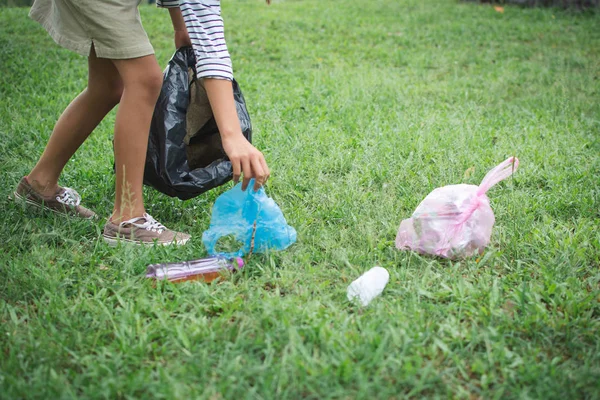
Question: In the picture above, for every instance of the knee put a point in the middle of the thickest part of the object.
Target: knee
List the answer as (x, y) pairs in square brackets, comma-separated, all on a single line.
[(149, 84), (155, 81)]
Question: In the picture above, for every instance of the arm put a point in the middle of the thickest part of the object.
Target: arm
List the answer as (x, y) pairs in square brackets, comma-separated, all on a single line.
[(213, 65), (245, 158), (182, 37)]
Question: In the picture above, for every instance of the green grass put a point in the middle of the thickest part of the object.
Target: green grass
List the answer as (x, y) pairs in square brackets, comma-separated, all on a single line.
[(361, 108)]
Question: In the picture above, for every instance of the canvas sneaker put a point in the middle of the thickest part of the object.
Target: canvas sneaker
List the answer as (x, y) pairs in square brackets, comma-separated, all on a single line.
[(143, 230), (65, 201)]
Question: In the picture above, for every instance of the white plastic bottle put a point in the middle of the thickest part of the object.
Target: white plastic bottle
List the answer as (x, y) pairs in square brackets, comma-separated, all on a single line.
[(368, 286)]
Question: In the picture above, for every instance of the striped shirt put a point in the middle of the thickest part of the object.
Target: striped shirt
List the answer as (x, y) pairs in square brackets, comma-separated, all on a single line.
[(205, 27)]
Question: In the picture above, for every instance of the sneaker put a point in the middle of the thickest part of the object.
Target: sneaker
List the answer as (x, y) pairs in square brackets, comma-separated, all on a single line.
[(65, 201), (143, 230)]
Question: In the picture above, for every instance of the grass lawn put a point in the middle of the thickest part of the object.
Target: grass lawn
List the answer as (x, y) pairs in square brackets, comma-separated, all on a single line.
[(361, 108)]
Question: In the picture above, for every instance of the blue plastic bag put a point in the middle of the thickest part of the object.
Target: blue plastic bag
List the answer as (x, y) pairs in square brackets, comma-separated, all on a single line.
[(252, 218)]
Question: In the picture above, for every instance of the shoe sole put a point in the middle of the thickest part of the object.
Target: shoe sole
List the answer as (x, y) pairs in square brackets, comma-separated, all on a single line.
[(114, 242), (39, 206)]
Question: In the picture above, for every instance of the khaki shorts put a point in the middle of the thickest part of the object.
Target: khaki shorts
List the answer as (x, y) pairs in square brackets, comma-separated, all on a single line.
[(114, 27)]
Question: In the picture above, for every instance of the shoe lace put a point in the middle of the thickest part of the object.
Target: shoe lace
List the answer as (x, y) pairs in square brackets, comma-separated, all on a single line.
[(69, 197), (149, 224)]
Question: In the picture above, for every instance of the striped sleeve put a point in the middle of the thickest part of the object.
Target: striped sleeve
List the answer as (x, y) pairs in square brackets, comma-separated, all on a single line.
[(205, 27), (167, 3)]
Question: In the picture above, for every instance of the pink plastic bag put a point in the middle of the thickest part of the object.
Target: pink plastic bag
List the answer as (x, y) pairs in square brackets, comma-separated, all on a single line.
[(454, 221)]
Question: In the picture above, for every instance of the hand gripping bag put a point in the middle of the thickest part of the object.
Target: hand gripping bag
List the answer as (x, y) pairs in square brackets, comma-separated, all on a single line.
[(185, 156)]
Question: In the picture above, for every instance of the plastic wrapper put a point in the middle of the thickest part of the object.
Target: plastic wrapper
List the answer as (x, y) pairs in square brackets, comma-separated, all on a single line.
[(454, 221), (185, 157), (252, 218)]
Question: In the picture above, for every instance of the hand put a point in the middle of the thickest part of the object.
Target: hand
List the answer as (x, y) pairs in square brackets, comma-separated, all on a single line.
[(182, 38), (247, 160)]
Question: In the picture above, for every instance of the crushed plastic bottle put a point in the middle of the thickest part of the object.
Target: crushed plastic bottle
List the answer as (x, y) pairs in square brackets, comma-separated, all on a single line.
[(205, 269), (368, 286)]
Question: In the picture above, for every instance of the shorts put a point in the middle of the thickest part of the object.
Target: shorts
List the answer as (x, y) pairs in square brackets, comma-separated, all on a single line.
[(113, 27)]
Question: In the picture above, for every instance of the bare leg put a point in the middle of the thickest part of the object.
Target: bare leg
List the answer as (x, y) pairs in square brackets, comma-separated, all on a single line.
[(77, 122), (142, 80)]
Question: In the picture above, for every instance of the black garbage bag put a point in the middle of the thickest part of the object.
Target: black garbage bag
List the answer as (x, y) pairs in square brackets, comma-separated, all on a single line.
[(184, 160)]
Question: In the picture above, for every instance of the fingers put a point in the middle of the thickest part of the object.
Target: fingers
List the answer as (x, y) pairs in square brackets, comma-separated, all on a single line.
[(237, 170), (263, 162), (253, 167), (260, 177), (247, 170), (248, 164)]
